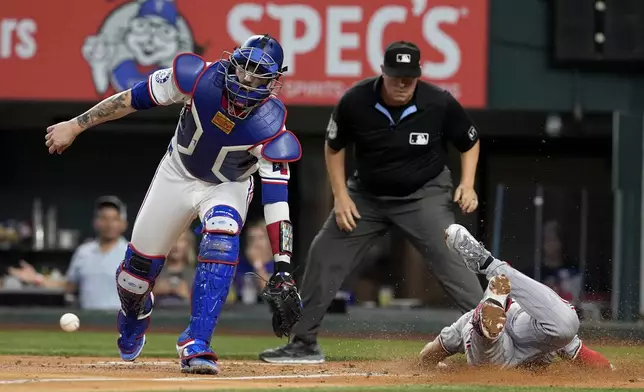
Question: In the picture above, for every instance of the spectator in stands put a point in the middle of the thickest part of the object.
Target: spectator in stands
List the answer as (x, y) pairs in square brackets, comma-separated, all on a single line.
[(558, 271), (257, 257), (93, 265), (174, 285)]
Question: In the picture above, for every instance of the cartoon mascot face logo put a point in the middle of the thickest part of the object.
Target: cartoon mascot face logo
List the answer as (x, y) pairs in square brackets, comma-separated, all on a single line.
[(136, 39)]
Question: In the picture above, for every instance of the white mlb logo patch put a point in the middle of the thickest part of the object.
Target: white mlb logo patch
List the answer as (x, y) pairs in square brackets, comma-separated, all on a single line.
[(472, 133), (332, 129), (418, 139), (403, 58)]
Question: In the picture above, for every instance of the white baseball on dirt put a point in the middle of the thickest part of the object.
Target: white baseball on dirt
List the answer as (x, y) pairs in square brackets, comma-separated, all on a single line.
[(69, 322)]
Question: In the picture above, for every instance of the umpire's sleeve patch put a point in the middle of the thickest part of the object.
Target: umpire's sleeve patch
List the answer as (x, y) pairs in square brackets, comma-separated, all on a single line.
[(332, 129), (473, 134)]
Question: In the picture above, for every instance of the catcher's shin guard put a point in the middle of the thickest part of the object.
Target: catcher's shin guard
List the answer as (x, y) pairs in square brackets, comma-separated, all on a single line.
[(219, 250), (209, 293), (134, 282)]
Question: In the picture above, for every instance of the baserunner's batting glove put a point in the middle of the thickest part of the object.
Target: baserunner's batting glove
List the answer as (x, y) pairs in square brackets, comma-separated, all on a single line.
[(281, 295)]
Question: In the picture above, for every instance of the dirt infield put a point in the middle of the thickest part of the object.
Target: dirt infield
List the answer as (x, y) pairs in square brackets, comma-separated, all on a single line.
[(58, 374)]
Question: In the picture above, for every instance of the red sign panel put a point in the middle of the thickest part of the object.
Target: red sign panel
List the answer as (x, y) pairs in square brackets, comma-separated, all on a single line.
[(85, 50)]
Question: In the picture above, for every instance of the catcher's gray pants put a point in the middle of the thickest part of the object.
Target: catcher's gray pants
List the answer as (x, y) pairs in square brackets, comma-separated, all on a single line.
[(422, 216)]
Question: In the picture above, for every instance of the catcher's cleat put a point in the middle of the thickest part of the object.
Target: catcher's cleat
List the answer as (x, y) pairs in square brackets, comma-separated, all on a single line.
[(199, 366), (132, 331), (130, 352), (197, 357)]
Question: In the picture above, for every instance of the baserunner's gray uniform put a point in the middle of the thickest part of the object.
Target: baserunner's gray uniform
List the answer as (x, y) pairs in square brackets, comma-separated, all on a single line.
[(540, 325)]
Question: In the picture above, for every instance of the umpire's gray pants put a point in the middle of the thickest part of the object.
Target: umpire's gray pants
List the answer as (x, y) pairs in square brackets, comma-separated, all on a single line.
[(422, 216)]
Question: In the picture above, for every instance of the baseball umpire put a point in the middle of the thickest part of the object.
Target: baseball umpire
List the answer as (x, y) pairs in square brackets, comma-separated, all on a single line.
[(399, 127)]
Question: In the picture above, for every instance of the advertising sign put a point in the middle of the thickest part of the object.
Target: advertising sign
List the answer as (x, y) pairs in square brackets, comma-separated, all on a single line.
[(86, 50)]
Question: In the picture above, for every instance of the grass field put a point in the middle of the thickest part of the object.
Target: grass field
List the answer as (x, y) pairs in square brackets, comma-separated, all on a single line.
[(161, 345), (62, 361)]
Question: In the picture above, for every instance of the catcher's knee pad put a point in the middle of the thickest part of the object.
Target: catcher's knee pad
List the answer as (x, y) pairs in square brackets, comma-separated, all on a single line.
[(135, 279), (220, 242)]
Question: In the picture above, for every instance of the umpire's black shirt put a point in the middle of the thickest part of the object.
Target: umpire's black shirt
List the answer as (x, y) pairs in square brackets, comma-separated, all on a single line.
[(398, 150)]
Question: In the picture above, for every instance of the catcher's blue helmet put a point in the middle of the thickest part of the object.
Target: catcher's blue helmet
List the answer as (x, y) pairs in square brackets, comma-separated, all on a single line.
[(258, 62)]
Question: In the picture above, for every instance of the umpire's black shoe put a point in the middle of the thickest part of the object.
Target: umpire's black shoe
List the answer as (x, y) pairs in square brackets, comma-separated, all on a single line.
[(295, 352)]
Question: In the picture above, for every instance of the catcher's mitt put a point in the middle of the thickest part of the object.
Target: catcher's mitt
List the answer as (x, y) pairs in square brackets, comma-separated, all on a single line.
[(281, 295)]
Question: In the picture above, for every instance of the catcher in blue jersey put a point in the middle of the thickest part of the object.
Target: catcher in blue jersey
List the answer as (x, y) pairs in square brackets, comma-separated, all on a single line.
[(231, 126)]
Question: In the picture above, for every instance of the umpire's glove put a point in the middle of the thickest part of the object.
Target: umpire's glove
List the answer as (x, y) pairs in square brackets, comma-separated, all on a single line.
[(281, 295)]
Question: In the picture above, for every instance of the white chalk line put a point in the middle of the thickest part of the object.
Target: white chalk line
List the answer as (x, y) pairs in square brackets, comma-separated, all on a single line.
[(170, 363), (125, 364), (183, 379)]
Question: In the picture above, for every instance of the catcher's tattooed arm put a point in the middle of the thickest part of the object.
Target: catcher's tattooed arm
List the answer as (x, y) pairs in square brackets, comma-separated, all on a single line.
[(111, 108), (160, 89), (60, 136)]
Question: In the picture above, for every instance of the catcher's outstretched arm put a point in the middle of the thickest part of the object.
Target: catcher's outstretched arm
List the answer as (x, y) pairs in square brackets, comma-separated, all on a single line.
[(111, 108), (159, 89)]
